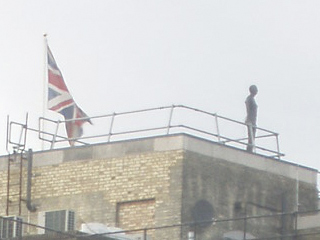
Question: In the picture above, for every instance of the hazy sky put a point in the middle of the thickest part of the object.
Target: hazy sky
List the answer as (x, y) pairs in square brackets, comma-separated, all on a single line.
[(120, 55)]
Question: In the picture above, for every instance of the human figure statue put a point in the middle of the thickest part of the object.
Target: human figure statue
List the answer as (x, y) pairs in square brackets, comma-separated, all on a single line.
[(251, 119)]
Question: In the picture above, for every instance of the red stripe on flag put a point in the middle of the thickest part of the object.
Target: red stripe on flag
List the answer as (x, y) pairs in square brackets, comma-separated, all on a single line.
[(57, 81), (62, 104)]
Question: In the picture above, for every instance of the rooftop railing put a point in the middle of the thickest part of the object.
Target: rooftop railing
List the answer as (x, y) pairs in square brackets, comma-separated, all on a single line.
[(152, 122)]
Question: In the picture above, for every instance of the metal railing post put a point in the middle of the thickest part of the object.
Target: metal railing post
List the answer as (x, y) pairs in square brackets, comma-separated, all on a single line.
[(55, 135), (278, 147), (178, 125), (111, 126), (170, 118), (217, 127)]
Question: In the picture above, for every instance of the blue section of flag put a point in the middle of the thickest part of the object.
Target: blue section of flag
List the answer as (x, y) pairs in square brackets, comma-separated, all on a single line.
[(61, 101), (68, 112), (52, 94)]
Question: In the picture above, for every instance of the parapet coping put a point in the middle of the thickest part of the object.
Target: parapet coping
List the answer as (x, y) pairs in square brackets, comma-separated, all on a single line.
[(173, 142)]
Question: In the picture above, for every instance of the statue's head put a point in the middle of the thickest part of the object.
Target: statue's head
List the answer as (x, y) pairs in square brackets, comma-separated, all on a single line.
[(253, 89)]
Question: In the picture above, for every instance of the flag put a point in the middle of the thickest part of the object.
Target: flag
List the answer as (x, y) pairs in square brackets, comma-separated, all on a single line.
[(61, 101)]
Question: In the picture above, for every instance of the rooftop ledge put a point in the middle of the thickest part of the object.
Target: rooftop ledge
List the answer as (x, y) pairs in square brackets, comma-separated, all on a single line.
[(158, 129), (173, 142)]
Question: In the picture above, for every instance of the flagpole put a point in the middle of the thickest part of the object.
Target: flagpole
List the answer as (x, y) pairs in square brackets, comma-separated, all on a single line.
[(45, 87)]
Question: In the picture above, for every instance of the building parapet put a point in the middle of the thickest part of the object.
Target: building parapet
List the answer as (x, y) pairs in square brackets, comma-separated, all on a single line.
[(174, 142)]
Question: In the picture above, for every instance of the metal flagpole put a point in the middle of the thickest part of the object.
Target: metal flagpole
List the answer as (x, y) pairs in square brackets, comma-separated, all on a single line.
[(45, 86)]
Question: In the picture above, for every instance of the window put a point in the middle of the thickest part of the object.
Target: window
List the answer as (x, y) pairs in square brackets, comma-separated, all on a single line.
[(10, 227), (62, 220)]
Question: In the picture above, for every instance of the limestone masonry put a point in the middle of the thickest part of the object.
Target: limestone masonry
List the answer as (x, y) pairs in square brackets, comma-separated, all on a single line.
[(163, 181)]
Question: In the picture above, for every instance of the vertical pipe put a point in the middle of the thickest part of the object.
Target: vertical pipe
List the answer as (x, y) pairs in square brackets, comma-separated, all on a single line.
[(170, 118), (8, 184), (30, 207), (111, 126), (20, 181)]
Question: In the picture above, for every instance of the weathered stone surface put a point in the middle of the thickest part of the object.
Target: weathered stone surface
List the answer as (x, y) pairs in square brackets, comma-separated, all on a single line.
[(170, 175)]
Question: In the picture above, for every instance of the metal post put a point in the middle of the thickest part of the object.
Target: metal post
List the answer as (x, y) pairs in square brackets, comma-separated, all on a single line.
[(278, 147), (170, 118), (217, 127), (20, 180), (20, 137), (55, 135), (111, 126), (23, 128), (25, 131), (8, 134), (8, 183), (30, 206)]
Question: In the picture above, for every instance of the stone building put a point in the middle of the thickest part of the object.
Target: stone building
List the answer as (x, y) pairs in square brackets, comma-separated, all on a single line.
[(166, 181), (176, 186)]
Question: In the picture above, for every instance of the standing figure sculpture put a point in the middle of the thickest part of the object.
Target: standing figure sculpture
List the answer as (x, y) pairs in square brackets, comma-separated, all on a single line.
[(251, 119)]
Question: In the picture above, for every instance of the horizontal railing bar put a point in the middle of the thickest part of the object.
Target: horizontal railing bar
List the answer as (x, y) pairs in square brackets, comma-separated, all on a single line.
[(62, 139), (159, 108), (230, 140), (124, 134), (242, 139), (107, 115)]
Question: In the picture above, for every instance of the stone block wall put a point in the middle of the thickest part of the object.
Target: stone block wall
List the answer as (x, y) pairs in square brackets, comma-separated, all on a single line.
[(103, 190), (233, 191), (157, 182)]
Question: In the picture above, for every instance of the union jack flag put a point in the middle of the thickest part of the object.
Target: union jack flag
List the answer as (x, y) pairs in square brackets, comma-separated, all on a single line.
[(61, 101)]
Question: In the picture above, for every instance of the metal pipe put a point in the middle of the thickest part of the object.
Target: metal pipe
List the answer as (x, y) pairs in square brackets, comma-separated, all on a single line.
[(278, 147), (20, 181), (8, 129), (168, 128), (55, 135), (217, 127), (31, 207), (8, 184), (111, 126), (170, 118)]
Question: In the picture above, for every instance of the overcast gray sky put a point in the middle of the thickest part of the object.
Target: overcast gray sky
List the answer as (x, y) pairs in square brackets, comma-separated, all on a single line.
[(120, 55)]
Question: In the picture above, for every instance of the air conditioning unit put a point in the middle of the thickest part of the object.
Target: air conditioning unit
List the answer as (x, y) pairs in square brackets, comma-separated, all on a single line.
[(10, 227), (61, 220)]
